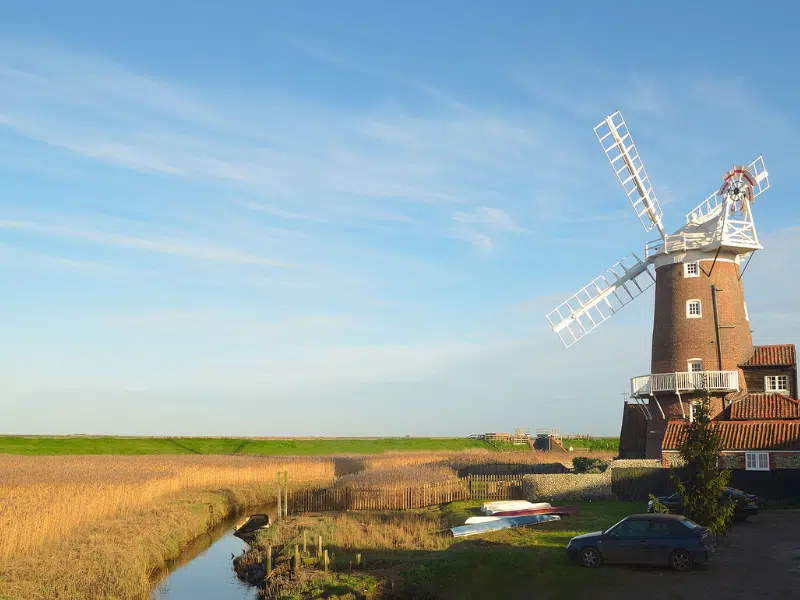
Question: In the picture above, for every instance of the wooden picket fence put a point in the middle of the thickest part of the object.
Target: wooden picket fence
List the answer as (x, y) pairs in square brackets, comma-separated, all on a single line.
[(477, 487)]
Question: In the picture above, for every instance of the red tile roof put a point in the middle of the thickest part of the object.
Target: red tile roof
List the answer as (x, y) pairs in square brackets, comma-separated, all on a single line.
[(744, 435), (764, 407), (778, 355)]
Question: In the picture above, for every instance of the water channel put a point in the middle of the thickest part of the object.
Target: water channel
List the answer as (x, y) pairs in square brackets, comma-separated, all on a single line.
[(205, 568)]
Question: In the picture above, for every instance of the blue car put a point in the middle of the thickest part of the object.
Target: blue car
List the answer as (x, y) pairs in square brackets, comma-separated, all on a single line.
[(652, 539)]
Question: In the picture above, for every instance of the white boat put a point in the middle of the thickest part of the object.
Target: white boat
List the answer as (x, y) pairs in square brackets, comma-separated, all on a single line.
[(489, 508), (500, 523)]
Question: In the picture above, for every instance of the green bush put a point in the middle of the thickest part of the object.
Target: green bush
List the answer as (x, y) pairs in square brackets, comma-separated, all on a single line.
[(584, 464)]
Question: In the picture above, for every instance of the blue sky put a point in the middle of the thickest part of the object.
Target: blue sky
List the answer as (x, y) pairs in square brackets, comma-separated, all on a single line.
[(350, 218)]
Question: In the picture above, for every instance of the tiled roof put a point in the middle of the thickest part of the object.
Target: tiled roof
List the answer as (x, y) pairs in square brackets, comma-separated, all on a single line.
[(764, 407), (744, 435), (778, 355)]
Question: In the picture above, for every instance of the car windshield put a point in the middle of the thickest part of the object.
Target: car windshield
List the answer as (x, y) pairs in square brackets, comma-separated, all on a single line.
[(613, 526), (690, 524)]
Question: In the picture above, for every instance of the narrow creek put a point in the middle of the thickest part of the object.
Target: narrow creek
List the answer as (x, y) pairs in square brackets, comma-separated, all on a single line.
[(205, 568)]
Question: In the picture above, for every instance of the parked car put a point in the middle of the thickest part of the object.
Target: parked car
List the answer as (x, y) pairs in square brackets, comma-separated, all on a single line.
[(657, 539), (750, 497), (746, 505)]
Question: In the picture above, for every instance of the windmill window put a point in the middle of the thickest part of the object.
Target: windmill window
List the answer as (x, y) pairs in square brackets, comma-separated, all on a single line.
[(693, 309), (695, 365), (691, 269), (756, 461), (776, 383)]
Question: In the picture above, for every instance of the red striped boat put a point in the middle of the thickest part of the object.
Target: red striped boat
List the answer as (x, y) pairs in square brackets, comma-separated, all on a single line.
[(550, 510)]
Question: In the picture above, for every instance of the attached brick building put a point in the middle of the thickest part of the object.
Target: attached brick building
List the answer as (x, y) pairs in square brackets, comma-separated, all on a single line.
[(760, 425), (702, 340)]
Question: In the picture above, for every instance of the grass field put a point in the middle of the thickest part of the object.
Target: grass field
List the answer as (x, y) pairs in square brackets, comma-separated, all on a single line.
[(267, 447), (408, 557), (62, 445), (593, 443)]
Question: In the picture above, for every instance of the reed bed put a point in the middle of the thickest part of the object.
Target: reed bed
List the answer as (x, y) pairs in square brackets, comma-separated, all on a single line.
[(358, 531), (398, 477), (44, 499)]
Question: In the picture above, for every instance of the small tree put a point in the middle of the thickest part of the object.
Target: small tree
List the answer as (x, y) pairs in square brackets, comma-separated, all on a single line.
[(703, 482)]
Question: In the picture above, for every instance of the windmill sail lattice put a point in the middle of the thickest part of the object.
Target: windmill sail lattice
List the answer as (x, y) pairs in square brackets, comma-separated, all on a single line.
[(617, 142), (596, 302)]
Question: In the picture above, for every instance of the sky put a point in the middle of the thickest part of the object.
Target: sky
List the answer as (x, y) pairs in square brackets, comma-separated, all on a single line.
[(350, 218)]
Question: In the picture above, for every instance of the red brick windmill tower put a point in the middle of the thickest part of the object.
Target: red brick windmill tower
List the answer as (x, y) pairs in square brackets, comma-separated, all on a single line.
[(701, 332)]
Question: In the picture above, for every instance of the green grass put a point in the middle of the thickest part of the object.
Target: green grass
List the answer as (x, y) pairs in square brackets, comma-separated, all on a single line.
[(514, 561), (277, 447), (593, 443)]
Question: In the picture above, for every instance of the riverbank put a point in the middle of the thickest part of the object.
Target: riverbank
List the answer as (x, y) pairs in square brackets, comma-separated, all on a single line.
[(119, 557), (102, 526), (408, 555)]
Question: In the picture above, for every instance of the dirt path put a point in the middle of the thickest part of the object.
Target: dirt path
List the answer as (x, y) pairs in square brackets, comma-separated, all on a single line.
[(759, 559)]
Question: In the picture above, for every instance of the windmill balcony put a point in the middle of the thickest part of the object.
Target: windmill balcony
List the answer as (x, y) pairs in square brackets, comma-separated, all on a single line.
[(715, 381)]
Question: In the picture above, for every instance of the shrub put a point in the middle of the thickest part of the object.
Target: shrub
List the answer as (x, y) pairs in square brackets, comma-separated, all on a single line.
[(586, 464)]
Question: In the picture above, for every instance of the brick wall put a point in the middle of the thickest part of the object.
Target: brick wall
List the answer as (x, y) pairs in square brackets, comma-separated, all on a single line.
[(676, 338)]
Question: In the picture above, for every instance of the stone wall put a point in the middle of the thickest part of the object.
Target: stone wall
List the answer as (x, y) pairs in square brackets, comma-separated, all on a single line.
[(571, 486), (731, 461), (784, 460), (549, 488)]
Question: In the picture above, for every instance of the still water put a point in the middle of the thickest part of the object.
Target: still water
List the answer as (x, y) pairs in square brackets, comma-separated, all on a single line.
[(205, 569)]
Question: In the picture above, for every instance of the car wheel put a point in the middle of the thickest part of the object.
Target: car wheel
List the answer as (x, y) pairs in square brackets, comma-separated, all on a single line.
[(590, 558), (680, 560)]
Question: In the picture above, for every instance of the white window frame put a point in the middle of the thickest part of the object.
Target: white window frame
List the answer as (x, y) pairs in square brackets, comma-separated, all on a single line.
[(695, 361), (756, 461), (695, 264), (689, 315), (768, 387)]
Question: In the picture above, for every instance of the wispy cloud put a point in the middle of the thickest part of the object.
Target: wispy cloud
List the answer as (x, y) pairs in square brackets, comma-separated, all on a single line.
[(176, 247)]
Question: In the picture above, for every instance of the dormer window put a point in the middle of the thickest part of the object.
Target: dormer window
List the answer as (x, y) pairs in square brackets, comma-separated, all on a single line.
[(693, 309), (776, 383), (691, 269)]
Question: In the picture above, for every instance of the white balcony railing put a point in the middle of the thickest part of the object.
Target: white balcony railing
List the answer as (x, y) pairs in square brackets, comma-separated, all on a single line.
[(685, 382), (679, 242)]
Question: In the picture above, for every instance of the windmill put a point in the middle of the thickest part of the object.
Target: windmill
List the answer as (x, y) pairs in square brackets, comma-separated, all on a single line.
[(697, 275)]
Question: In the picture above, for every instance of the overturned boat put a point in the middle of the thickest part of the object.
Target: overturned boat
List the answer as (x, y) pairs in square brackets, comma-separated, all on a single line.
[(492, 523), (253, 524)]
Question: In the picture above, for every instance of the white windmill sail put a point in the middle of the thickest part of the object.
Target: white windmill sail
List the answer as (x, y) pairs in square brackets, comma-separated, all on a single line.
[(617, 142), (596, 302)]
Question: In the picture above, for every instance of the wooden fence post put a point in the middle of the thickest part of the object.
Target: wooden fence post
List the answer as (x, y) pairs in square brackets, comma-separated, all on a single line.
[(319, 546), (305, 542), (296, 556), (358, 560), (325, 561), (286, 493), (269, 560)]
